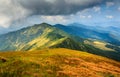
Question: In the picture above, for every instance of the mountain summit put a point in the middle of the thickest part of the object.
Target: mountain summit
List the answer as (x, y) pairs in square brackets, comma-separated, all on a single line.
[(38, 36)]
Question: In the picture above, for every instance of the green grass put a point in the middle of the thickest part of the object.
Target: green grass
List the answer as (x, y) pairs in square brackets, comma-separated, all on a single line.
[(56, 63)]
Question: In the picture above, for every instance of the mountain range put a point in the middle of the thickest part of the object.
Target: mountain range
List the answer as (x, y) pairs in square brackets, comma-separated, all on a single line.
[(42, 36), (89, 32)]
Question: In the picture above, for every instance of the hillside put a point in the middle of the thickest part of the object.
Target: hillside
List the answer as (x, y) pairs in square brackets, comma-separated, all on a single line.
[(56, 63), (28, 37), (38, 37)]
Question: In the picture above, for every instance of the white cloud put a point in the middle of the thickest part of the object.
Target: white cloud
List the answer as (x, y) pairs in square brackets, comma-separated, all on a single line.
[(54, 19), (85, 16), (118, 8), (89, 16), (109, 4), (82, 16), (97, 8), (109, 16), (5, 21), (10, 12)]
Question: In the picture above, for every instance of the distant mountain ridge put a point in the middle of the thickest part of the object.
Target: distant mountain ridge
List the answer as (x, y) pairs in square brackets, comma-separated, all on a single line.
[(87, 32)]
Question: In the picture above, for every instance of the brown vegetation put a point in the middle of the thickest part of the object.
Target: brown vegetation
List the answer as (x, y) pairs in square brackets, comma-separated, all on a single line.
[(57, 63)]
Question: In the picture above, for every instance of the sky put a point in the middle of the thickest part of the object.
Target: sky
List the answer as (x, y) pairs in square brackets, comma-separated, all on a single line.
[(15, 14)]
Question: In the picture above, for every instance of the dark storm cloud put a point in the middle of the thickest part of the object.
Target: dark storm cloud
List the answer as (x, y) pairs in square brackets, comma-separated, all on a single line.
[(57, 7)]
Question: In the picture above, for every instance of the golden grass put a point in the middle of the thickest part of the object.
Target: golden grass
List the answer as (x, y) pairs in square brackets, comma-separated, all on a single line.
[(100, 45), (57, 63)]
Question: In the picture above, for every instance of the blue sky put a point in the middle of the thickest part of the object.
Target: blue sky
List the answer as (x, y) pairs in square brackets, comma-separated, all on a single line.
[(16, 14)]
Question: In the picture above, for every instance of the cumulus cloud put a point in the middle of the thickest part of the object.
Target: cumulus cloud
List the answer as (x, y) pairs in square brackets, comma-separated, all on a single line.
[(54, 19), (118, 8), (82, 16), (5, 21), (85, 16), (10, 11), (109, 16), (97, 8), (89, 16)]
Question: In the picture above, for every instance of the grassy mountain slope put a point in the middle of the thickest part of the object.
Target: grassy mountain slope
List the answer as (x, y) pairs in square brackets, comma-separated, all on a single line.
[(56, 63), (46, 40), (18, 40)]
